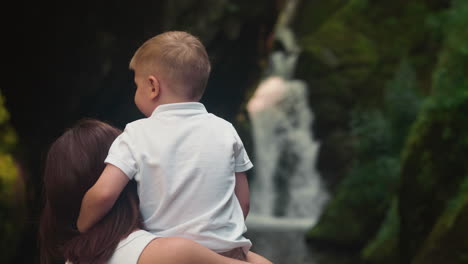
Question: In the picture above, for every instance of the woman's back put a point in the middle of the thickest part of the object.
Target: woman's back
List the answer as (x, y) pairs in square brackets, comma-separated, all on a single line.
[(74, 163)]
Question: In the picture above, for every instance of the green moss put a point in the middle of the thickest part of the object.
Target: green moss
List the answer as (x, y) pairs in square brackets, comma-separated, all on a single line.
[(384, 247), (337, 44), (450, 82), (447, 242), (349, 51), (361, 45), (345, 60), (312, 14), (371, 182), (333, 228), (347, 220), (434, 160), (433, 166), (432, 170)]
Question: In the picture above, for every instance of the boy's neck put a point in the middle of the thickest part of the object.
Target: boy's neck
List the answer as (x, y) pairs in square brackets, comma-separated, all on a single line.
[(173, 100)]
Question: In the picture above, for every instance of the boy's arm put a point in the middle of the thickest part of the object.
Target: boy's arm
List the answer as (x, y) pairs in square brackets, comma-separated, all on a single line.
[(242, 192), (100, 198)]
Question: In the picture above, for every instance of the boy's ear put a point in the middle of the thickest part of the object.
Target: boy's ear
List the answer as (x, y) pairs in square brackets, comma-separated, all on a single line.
[(154, 86)]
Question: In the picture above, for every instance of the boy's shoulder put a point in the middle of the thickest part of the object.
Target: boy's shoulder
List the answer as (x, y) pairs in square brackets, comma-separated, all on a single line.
[(140, 124), (136, 124), (219, 121)]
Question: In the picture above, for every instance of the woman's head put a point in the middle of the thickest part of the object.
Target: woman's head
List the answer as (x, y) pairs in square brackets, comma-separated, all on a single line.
[(74, 162)]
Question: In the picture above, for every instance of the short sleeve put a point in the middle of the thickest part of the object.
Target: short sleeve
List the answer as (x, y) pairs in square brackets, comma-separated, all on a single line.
[(242, 161), (121, 155)]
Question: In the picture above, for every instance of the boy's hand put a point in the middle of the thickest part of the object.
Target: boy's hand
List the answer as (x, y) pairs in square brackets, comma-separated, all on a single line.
[(100, 198)]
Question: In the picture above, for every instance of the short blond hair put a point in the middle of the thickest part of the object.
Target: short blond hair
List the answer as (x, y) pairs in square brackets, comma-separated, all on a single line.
[(179, 58)]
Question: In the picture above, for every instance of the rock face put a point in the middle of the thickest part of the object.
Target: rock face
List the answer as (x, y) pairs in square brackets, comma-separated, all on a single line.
[(447, 240), (352, 61), (434, 174), (349, 52), (72, 62), (433, 194), (426, 201)]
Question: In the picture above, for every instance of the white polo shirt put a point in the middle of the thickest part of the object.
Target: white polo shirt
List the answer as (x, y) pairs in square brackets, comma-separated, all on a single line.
[(184, 160)]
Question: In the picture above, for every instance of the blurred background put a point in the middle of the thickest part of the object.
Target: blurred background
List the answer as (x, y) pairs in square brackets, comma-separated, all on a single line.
[(354, 112)]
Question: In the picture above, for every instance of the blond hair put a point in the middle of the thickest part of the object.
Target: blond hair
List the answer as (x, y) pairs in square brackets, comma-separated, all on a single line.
[(177, 57)]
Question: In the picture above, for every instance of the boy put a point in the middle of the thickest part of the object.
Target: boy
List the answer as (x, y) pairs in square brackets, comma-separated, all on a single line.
[(189, 165)]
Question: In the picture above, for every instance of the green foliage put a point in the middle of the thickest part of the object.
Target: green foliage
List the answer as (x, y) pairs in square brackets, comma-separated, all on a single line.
[(434, 159), (312, 14), (334, 47), (447, 241), (371, 183), (8, 172), (10, 194), (449, 79), (433, 165), (348, 56), (383, 249), (382, 131), (425, 159), (7, 134), (347, 220), (4, 115), (402, 104), (371, 130)]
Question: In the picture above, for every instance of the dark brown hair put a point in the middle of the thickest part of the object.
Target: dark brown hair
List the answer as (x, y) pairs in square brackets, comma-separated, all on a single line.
[(74, 162)]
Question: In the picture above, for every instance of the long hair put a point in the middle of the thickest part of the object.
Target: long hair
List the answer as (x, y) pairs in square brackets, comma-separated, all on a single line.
[(74, 163)]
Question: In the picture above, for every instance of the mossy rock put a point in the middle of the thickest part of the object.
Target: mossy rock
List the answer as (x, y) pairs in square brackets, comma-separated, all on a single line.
[(384, 247), (349, 50), (434, 159), (353, 216), (312, 14), (448, 240), (434, 164), (362, 43)]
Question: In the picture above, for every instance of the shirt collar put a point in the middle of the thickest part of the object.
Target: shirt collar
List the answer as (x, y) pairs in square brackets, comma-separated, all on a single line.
[(186, 108)]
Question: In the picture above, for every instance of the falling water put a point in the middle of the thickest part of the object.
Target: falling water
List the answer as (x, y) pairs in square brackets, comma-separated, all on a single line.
[(287, 191)]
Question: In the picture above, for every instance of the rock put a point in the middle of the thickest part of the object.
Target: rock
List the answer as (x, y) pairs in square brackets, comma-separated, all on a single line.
[(348, 61), (434, 159), (353, 48), (384, 247), (447, 242)]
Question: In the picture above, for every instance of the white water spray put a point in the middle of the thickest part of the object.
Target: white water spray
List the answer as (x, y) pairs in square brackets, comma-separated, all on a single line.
[(287, 190)]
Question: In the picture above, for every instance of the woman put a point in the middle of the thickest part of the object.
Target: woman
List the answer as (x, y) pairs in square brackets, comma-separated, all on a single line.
[(73, 164)]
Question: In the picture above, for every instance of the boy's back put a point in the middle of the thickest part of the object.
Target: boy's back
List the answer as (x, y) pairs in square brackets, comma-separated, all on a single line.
[(187, 162), (184, 160)]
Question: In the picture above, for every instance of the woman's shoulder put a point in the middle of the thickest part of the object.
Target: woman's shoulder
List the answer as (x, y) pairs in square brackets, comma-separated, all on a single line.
[(172, 250), (130, 248)]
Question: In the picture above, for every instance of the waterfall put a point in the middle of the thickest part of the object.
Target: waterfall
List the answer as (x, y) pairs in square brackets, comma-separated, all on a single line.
[(287, 189)]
